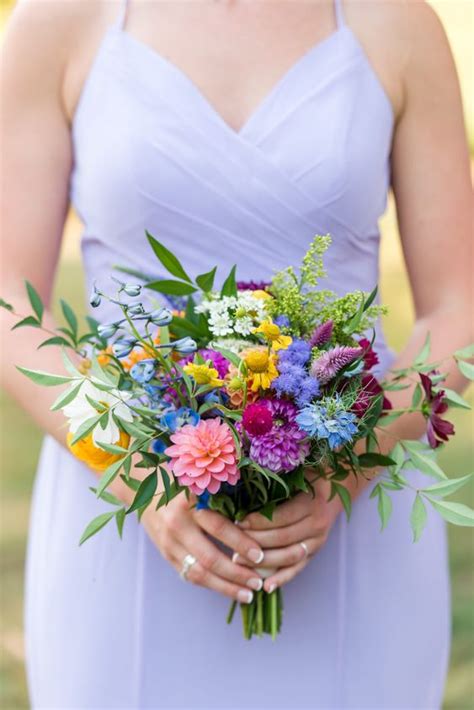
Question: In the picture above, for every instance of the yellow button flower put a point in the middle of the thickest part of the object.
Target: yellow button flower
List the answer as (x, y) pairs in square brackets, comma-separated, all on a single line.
[(203, 374)]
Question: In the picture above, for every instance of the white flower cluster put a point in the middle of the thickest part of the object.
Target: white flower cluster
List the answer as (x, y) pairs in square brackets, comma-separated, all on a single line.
[(234, 314)]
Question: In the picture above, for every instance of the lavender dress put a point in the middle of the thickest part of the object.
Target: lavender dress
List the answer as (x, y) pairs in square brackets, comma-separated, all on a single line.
[(110, 624)]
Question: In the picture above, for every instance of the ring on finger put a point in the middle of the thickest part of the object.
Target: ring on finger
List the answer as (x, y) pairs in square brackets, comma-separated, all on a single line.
[(305, 548), (188, 562)]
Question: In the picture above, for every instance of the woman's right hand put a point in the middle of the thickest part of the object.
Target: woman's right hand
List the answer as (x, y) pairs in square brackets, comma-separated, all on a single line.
[(177, 529)]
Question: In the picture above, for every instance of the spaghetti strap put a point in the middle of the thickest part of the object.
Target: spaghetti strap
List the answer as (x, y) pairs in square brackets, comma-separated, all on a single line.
[(120, 21), (339, 13)]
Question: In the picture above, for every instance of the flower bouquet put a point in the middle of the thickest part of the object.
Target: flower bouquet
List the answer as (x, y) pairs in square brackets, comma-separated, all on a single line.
[(241, 398)]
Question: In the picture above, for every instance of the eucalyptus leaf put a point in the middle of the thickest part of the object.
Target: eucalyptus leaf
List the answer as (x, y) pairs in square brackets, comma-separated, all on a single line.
[(70, 317), (56, 340), (455, 400), (384, 507), (424, 352), (120, 519), (109, 475), (28, 321), (425, 463)]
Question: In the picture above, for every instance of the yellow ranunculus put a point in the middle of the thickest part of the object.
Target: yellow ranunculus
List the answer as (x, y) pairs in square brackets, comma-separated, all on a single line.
[(98, 459), (203, 374), (262, 369), (272, 333)]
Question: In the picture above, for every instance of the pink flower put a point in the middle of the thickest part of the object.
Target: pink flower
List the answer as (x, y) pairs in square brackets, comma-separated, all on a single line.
[(434, 405), (204, 456), (332, 361), (257, 419), (370, 356)]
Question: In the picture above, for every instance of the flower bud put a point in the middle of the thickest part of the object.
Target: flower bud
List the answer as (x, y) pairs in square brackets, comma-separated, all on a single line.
[(136, 310), (122, 348), (132, 289), (143, 371), (185, 345), (106, 331), (161, 316), (95, 299)]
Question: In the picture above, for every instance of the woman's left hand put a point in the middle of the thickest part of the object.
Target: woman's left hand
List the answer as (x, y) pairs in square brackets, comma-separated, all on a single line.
[(303, 519)]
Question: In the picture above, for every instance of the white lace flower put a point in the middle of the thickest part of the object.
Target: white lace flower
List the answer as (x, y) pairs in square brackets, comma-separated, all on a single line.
[(244, 326), (80, 410)]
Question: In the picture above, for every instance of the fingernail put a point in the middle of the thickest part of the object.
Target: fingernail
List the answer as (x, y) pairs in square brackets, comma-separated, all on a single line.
[(242, 524), (255, 583), (244, 596), (271, 588), (235, 557), (255, 555)]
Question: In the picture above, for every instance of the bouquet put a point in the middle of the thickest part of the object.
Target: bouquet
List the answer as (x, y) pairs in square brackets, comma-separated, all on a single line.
[(243, 397)]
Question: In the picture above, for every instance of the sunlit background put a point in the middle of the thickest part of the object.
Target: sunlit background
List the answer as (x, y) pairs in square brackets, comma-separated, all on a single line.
[(20, 439)]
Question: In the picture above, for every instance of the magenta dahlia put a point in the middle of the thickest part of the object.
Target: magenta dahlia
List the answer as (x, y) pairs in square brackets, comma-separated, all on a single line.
[(257, 419), (285, 446)]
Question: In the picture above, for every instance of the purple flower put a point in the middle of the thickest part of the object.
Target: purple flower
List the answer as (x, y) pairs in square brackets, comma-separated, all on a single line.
[(285, 446), (252, 285), (294, 381), (434, 405), (331, 362), (322, 334), (217, 359), (282, 321), (297, 353)]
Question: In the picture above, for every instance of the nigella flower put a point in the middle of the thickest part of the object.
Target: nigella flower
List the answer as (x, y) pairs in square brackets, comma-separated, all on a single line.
[(175, 419), (434, 405), (285, 446), (328, 419), (322, 334), (331, 362), (370, 357)]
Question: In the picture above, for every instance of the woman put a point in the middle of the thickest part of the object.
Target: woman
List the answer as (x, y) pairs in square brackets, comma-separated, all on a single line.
[(233, 131)]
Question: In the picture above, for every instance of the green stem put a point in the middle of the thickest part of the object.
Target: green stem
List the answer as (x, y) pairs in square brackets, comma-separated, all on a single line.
[(230, 615)]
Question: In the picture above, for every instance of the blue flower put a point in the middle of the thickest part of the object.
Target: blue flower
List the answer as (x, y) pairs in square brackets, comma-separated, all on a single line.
[(143, 371), (328, 420), (176, 419), (122, 348), (132, 289), (203, 500), (297, 353), (295, 381), (185, 345), (282, 321), (158, 446)]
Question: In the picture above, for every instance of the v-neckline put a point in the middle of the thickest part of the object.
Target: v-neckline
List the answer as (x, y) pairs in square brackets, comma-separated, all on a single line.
[(205, 102)]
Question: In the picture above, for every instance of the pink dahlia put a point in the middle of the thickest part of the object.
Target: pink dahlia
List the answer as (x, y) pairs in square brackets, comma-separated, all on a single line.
[(257, 419), (204, 456)]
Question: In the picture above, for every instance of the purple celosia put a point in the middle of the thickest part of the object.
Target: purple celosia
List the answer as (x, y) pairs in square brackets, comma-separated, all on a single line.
[(322, 334), (217, 359), (252, 285), (285, 446), (331, 362)]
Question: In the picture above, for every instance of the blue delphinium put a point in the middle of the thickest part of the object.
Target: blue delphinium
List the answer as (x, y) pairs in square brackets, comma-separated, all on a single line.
[(177, 418), (203, 500), (282, 321), (158, 446), (143, 371), (328, 419)]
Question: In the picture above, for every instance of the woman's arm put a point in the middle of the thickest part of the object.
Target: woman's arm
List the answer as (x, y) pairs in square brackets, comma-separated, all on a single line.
[(432, 187)]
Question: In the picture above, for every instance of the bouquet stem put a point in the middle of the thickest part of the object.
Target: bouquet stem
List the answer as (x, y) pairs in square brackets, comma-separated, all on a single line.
[(262, 616)]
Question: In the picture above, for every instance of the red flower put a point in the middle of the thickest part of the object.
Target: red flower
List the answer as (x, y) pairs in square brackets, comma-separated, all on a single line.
[(370, 356), (257, 419), (370, 389), (435, 404)]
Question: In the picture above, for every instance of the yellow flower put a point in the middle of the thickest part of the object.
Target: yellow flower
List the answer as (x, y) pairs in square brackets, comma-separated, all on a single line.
[(203, 374), (98, 459), (262, 368), (263, 295), (272, 333)]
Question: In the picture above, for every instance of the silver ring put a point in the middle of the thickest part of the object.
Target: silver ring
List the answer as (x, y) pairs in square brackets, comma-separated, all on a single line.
[(305, 548), (188, 562)]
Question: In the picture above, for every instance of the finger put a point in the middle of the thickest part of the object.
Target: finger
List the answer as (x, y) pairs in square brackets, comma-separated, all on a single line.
[(284, 575), (284, 556), (283, 537), (199, 575), (216, 561), (286, 513), (224, 530)]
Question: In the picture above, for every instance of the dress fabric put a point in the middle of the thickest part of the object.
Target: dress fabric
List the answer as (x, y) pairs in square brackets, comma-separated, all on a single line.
[(110, 624)]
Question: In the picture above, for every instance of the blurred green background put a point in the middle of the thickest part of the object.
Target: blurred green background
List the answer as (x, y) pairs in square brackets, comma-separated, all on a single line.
[(20, 439)]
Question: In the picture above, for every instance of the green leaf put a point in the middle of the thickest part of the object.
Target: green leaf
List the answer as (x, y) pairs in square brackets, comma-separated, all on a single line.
[(456, 513), (112, 448), (418, 517), (417, 396), (85, 429), (268, 509), (166, 482), (174, 491), (66, 397), (57, 340), (173, 288), (168, 259), (398, 455), (384, 507), (231, 356), (344, 497), (466, 368), (96, 525), (70, 317), (354, 322), (465, 353), (108, 497), (371, 298), (28, 321), (455, 400), (386, 419), (206, 281), (7, 306), (120, 519), (109, 475), (186, 327), (35, 300), (44, 378), (132, 483), (229, 287), (424, 352), (145, 492), (370, 460), (446, 488), (425, 463)]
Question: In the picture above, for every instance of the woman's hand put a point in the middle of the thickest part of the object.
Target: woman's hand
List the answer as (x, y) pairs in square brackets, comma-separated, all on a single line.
[(177, 529), (303, 519)]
